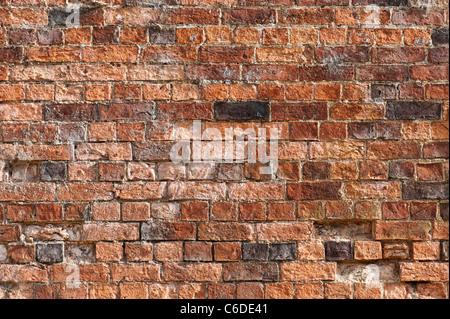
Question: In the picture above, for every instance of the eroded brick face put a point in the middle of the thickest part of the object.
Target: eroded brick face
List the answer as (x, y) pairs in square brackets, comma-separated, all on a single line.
[(92, 108)]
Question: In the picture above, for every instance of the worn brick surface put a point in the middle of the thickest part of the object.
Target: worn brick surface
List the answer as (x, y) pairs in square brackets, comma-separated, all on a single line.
[(115, 161)]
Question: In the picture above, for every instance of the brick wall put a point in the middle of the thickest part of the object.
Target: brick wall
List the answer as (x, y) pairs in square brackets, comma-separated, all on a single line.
[(94, 98)]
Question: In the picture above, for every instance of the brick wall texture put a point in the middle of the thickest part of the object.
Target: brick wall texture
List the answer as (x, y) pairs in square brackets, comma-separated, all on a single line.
[(95, 95)]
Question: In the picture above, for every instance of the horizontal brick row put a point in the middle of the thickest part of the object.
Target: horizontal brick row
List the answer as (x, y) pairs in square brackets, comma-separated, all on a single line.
[(128, 136)]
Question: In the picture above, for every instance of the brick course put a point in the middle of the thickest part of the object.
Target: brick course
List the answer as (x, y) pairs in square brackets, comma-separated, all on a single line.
[(90, 111)]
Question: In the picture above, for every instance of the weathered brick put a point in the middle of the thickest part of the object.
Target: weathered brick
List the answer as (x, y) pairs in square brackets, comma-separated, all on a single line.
[(306, 271), (299, 111), (135, 272), (250, 271), (110, 232), (192, 272), (425, 271), (390, 230), (279, 232), (313, 190), (168, 231)]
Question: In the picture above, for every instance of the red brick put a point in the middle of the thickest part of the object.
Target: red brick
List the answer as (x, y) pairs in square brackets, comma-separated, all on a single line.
[(135, 211), (408, 230), (305, 271), (24, 273), (21, 254), (168, 251), (135, 272), (312, 290), (250, 290), (197, 251), (138, 251), (49, 212), (424, 271), (109, 251), (222, 231), (284, 231), (133, 291), (192, 271), (194, 211), (223, 211), (227, 251)]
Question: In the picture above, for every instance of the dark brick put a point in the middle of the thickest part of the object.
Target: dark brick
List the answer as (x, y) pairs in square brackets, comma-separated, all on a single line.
[(316, 170), (127, 111), (401, 170), (326, 73), (413, 110), (283, 251), (383, 92), (417, 190), (105, 35), (314, 190), (51, 171), (440, 36), (153, 151), (255, 251), (71, 112), (361, 130), (160, 35), (49, 253), (242, 111), (167, 231), (22, 36), (423, 210), (443, 207), (388, 130), (341, 250), (50, 37), (11, 54), (248, 16)]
